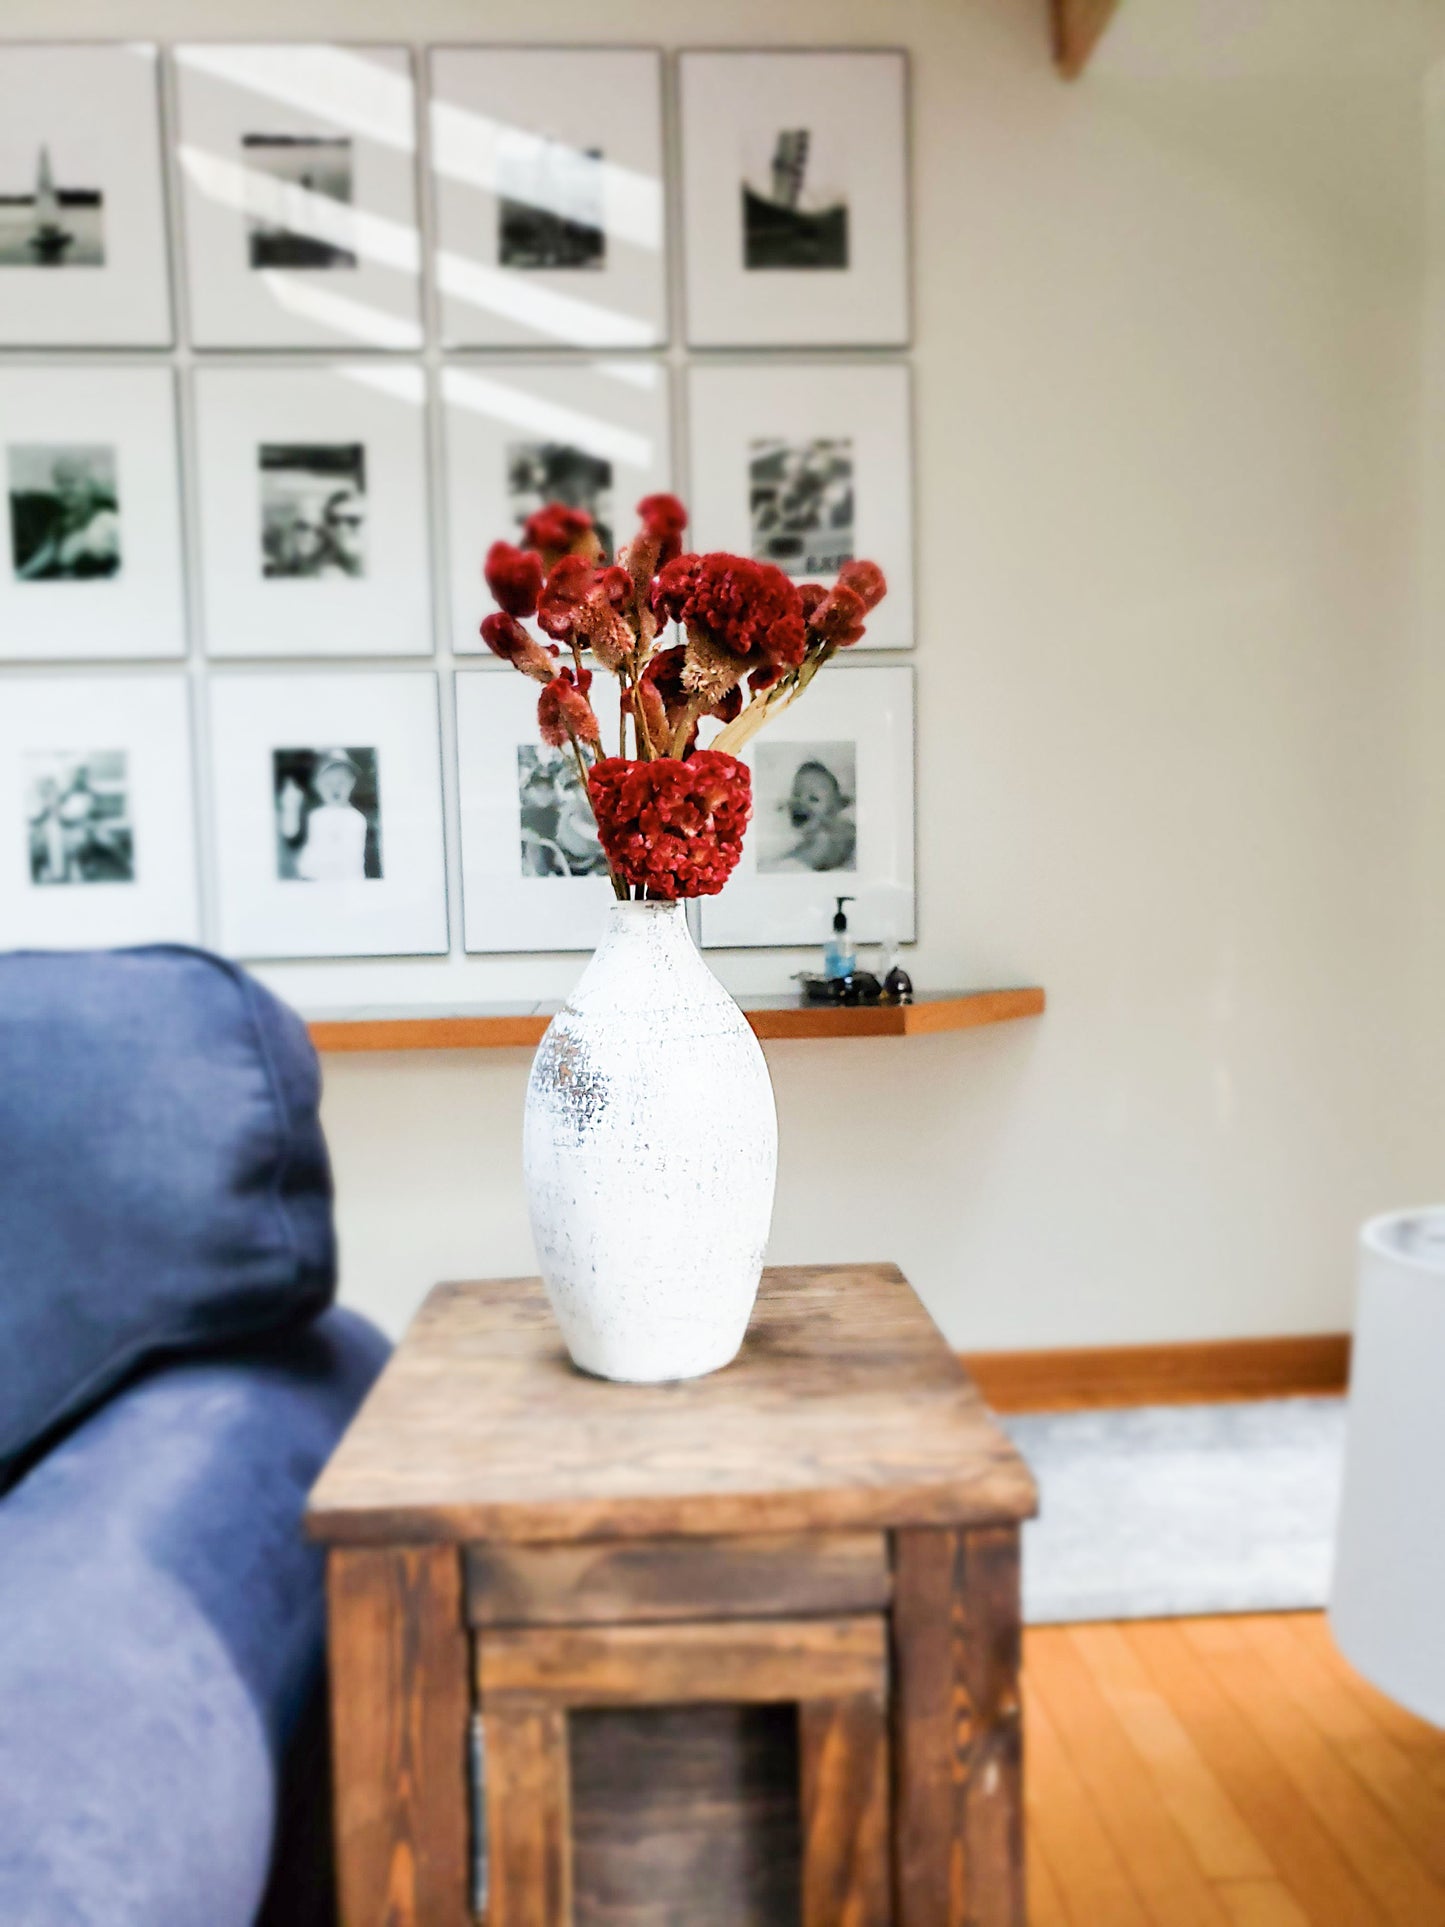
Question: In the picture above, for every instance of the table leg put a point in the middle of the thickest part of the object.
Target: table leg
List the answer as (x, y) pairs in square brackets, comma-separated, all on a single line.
[(843, 1745), (957, 1735), (400, 1702), (529, 1816)]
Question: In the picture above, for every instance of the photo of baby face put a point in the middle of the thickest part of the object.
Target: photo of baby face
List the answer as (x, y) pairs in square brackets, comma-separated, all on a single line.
[(806, 796)]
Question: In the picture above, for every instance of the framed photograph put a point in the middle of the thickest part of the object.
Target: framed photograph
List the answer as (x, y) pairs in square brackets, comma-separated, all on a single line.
[(809, 465), (595, 434), (313, 510), (795, 199), (90, 548), (533, 873), (97, 843), (832, 816), (551, 223), (83, 256), (298, 183), (327, 804)]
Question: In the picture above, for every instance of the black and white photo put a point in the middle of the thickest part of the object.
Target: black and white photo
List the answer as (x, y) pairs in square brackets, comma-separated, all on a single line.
[(533, 873), (795, 214), (550, 208), (97, 832), (314, 519), (64, 511), (548, 190), (298, 200), (542, 472), (84, 250), (51, 220), (795, 198), (78, 816), (800, 495), (326, 804), (804, 801), (832, 816), (313, 509), (516, 435), (328, 815), (808, 465), (559, 832), (297, 170)]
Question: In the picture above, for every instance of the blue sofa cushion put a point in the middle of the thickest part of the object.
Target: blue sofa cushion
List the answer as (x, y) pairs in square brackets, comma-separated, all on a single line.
[(164, 1183), (161, 1632)]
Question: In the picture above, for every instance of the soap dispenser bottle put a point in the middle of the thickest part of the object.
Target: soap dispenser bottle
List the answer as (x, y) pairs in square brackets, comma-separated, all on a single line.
[(840, 958)]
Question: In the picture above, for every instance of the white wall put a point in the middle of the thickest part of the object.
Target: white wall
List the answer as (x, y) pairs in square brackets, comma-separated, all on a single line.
[(1171, 754)]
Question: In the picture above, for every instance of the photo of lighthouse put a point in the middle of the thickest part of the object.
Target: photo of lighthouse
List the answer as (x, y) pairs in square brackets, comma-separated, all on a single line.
[(49, 220)]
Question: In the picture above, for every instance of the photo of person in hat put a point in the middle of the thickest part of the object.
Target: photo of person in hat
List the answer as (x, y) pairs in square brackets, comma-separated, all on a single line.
[(328, 825)]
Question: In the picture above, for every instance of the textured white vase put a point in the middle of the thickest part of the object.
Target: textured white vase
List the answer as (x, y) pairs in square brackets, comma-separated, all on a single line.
[(650, 1150)]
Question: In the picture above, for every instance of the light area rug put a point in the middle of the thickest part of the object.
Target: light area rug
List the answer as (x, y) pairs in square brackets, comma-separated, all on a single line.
[(1166, 1511)]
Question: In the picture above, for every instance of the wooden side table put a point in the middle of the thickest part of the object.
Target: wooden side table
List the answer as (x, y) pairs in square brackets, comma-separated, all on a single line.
[(739, 1650)]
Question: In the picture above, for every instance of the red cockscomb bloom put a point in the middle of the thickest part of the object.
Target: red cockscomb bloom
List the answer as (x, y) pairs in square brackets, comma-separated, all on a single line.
[(555, 528), (564, 713), (838, 618), (663, 519), (562, 595), (866, 580), (514, 577), (506, 637), (751, 609), (673, 828)]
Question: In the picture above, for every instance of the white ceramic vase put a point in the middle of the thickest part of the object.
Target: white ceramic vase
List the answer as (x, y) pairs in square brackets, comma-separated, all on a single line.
[(650, 1150)]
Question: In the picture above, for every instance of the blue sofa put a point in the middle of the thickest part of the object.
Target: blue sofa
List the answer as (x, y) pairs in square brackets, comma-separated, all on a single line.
[(172, 1379)]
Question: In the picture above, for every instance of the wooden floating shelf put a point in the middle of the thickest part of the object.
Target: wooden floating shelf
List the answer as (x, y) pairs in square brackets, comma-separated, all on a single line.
[(511, 1026)]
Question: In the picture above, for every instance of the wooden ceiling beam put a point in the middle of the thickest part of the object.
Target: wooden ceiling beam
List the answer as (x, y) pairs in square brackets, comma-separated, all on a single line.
[(1078, 28)]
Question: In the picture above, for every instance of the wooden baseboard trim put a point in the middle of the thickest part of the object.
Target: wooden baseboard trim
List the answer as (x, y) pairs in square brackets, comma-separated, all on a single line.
[(1200, 1373)]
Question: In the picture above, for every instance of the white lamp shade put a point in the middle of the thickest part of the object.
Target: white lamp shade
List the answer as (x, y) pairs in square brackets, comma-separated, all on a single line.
[(1388, 1600)]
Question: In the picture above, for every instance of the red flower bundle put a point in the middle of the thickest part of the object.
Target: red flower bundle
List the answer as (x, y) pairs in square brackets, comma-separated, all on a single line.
[(672, 828), (671, 817)]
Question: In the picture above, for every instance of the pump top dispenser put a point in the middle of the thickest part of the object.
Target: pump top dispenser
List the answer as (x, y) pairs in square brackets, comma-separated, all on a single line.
[(840, 958)]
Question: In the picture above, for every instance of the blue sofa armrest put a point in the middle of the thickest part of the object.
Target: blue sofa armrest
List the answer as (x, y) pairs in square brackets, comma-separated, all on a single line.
[(161, 1633)]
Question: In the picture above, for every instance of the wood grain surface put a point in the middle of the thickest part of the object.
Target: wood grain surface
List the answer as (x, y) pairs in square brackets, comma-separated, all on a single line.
[(957, 1736), (686, 1813), (529, 1818), (400, 1703), (1195, 1372), (847, 1862), (782, 1017), (641, 1580), (845, 1410), (738, 1660)]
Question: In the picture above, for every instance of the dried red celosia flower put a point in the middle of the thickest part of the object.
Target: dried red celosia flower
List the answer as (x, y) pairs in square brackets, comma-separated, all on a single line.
[(558, 529), (564, 714), (866, 580), (838, 618), (663, 519), (616, 584), (506, 637), (598, 626), (514, 577), (672, 828), (748, 608), (562, 596)]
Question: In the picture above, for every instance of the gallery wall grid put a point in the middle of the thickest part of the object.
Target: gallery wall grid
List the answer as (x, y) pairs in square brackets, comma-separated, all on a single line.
[(261, 514)]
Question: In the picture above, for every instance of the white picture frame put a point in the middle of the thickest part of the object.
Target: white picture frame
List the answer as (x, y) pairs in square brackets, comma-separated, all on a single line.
[(369, 880), (90, 554), (312, 490), (795, 198), (547, 168), (753, 425), (526, 885), (597, 433), (97, 814), (855, 726), (84, 258), (297, 170)]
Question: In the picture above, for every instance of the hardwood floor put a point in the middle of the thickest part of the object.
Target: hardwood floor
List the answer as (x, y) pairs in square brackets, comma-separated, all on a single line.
[(1222, 1771)]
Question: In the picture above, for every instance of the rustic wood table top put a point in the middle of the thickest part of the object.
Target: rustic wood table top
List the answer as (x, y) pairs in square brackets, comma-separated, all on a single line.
[(845, 1409)]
